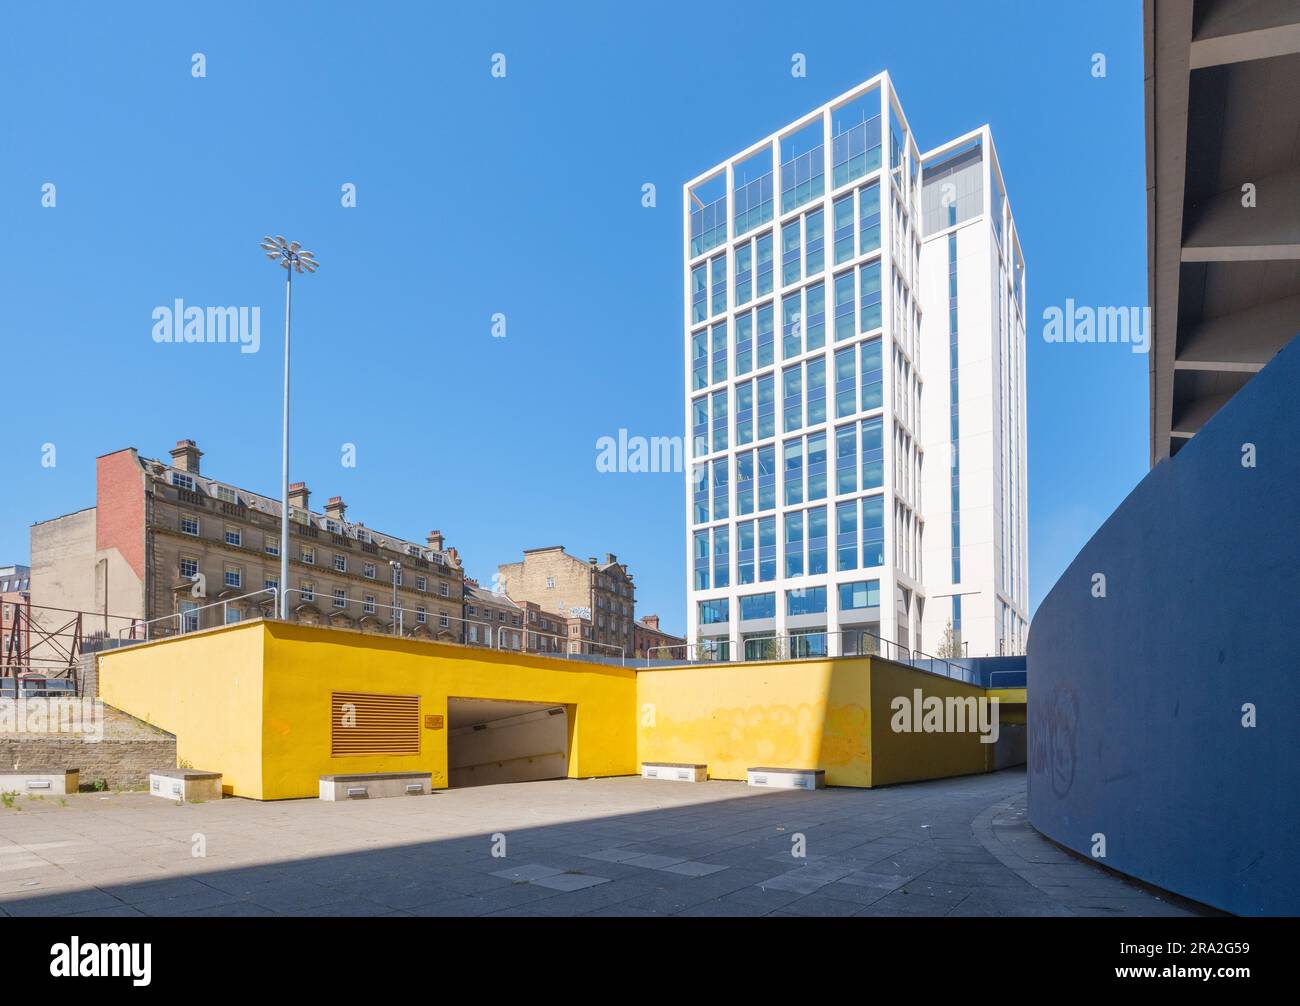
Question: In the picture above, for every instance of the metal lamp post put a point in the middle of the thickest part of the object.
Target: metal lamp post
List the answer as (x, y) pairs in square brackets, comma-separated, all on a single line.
[(292, 258), (397, 614)]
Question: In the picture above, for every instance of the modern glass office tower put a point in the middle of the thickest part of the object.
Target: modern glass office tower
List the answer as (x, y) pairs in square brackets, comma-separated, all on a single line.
[(854, 374)]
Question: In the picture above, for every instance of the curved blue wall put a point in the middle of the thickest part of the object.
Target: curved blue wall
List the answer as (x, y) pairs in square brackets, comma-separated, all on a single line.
[(1135, 699)]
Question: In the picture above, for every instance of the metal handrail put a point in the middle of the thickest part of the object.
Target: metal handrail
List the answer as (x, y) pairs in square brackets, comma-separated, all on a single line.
[(785, 648), (568, 651), (330, 609), (223, 604)]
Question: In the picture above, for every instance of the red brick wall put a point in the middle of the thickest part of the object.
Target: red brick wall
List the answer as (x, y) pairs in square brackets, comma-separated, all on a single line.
[(119, 506)]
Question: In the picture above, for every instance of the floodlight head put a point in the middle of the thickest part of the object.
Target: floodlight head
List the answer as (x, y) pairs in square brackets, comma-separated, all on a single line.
[(290, 255)]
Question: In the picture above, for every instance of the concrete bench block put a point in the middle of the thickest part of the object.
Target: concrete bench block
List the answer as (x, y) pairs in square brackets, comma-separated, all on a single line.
[(41, 782), (187, 785), (375, 786), (676, 771), (787, 778)]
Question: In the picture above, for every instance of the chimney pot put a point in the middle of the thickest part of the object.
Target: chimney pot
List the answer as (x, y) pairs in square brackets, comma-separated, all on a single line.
[(185, 456), (335, 507)]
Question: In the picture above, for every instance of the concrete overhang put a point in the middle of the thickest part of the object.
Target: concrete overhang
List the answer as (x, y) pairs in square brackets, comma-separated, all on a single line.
[(1223, 201)]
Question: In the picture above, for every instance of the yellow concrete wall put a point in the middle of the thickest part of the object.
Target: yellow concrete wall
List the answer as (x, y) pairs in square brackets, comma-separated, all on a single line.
[(252, 701), (305, 664), (206, 689), (733, 717), (828, 714), (909, 757)]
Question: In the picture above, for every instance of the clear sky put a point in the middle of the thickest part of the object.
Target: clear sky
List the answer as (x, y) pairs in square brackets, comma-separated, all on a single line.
[(520, 195)]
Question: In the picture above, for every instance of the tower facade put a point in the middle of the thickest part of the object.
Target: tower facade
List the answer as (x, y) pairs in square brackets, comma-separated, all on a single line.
[(819, 381)]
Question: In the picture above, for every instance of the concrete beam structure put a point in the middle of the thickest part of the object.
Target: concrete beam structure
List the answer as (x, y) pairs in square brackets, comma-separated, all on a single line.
[(1223, 202)]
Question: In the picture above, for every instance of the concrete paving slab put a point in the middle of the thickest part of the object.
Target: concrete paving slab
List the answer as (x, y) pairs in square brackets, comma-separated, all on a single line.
[(607, 847)]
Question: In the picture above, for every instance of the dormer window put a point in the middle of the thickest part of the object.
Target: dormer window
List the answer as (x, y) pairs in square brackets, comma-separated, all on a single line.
[(182, 481), (226, 494)]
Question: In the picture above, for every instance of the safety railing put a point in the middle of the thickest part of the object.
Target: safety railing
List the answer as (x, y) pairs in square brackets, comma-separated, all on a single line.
[(438, 626), (572, 647), (415, 623), (815, 643), (401, 621), (190, 618)]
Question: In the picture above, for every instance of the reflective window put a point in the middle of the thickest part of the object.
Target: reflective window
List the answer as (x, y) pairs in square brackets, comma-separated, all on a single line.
[(794, 544), (846, 535), (817, 540), (757, 606), (873, 531), (792, 464), (870, 294), (862, 594), (806, 601), (752, 195), (855, 143)]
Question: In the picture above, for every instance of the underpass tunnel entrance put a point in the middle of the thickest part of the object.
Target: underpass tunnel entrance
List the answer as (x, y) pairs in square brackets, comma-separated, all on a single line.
[(494, 740)]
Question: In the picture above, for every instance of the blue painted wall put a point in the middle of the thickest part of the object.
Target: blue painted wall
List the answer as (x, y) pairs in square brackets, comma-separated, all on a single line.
[(1135, 699)]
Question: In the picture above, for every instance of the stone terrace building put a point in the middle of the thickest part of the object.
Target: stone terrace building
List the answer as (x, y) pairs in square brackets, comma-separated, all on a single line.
[(15, 591), (561, 583), (491, 620), (164, 539), (648, 640)]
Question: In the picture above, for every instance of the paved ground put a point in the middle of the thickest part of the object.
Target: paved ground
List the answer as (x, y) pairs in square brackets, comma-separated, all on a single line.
[(573, 847)]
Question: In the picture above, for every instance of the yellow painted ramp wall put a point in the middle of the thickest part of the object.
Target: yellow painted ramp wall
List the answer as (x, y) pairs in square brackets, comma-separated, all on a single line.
[(912, 756), (206, 689), (733, 717), (304, 664)]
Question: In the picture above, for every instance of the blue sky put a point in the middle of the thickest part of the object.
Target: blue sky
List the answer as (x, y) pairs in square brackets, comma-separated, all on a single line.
[(520, 195)]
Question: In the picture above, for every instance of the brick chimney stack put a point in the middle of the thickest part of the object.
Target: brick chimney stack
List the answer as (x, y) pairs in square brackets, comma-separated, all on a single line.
[(185, 456), (650, 621), (299, 494), (435, 540), (335, 507)]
